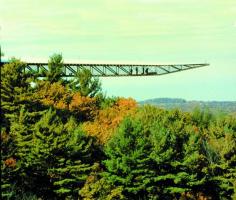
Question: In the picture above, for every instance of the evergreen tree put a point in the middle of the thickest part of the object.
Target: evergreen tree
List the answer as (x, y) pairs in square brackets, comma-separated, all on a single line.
[(163, 159), (86, 84), (71, 171), (221, 138), (14, 90), (55, 68), (22, 132), (58, 159), (128, 160)]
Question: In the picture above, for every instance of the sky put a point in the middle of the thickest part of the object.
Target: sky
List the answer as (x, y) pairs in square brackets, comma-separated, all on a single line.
[(139, 31)]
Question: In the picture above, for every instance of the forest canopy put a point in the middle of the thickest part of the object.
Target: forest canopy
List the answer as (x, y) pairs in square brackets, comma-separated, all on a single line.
[(65, 139)]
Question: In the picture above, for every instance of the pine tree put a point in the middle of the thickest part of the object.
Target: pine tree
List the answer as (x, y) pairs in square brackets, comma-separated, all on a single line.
[(163, 158), (71, 171), (16, 166), (85, 84), (221, 140), (128, 160), (178, 154), (55, 68), (14, 90), (60, 158)]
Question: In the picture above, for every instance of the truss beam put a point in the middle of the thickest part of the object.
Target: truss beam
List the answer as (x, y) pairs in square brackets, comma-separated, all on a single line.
[(111, 70)]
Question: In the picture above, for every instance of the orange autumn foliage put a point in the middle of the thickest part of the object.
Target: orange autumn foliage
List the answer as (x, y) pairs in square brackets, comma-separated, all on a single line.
[(85, 107), (10, 162), (54, 94), (126, 104), (107, 120), (60, 97), (99, 123)]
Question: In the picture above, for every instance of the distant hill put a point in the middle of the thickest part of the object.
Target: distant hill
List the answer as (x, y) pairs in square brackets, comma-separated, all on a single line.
[(170, 103)]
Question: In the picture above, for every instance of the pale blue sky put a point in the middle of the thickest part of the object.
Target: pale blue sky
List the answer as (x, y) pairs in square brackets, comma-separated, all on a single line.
[(146, 31)]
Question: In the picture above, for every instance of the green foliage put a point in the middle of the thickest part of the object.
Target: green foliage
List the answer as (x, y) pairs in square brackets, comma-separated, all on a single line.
[(97, 188), (108, 102), (55, 66), (14, 90), (86, 84), (222, 139), (127, 163), (164, 158), (71, 170), (202, 117)]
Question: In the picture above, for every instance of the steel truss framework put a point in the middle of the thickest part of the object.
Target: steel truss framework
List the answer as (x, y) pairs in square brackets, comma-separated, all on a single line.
[(111, 70)]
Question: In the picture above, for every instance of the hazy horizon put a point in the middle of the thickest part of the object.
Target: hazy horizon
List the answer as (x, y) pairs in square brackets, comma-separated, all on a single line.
[(190, 99)]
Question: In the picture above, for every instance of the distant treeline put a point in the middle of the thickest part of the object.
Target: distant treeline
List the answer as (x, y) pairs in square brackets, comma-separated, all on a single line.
[(64, 139), (214, 106)]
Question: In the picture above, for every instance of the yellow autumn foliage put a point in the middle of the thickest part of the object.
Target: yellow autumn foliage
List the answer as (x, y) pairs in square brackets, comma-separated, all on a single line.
[(60, 97), (108, 119)]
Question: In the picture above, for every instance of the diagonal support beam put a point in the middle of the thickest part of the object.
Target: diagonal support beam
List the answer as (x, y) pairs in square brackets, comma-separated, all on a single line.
[(113, 70)]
